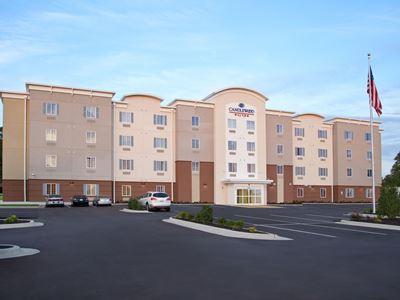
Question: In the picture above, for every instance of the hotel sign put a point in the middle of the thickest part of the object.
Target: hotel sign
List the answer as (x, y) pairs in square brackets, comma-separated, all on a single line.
[(241, 111)]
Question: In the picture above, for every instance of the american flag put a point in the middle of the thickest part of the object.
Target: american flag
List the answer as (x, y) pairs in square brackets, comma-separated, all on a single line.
[(373, 93)]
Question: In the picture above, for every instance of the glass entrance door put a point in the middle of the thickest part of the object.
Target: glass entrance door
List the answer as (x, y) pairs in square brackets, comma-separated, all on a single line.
[(248, 196)]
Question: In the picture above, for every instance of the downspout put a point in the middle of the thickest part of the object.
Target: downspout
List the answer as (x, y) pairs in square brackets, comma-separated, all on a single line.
[(113, 149), (25, 148), (173, 149)]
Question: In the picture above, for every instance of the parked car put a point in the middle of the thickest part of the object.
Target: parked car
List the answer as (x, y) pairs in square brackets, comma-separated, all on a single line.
[(101, 200), (80, 200), (155, 200), (54, 200)]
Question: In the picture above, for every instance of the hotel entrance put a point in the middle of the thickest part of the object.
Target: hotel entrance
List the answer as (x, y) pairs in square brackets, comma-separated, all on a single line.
[(248, 196), (246, 192)]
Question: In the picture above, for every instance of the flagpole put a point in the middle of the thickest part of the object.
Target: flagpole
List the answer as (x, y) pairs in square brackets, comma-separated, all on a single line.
[(372, 135)]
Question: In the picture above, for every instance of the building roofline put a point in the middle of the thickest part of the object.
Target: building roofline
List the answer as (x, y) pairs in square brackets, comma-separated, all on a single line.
[(309, 114), (190, 102), (29, 85), (235, 88), (142, 95), (277, 111), (13, 95), (350, 120)]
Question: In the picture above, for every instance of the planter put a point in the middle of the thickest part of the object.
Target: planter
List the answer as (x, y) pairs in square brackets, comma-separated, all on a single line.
[(127, 210), (29, 223)]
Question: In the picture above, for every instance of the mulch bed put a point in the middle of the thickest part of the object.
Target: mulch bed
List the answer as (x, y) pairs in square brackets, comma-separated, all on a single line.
[(18, 222)]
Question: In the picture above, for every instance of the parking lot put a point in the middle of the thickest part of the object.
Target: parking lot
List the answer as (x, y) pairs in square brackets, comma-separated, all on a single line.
[(102, 253)]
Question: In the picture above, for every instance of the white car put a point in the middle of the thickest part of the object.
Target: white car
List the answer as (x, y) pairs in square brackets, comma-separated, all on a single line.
[(100, 201), (155, 200)]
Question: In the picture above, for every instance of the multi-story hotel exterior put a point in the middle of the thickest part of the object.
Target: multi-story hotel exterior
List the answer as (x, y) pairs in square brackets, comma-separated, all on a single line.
[(225, 149)]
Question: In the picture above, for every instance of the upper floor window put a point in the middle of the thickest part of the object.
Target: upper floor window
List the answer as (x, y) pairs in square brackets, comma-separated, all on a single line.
[(349, 193), (195, 166), (279, 129), (369, 155), (51, 161), (251, 146), (323, 153), (126, 117), (91, 112), (299, 151), (279, 149), (90, 162), (160, 143), (126, 140), (300, 171), (279, 169), (368, 136), (160, 165), (349, 153), (232, 167), (349, 172), (231, 123), (348, 135), (322, 134), (91, 190), (91, 137), (50, 109), (126, 164), (51, 135), (195, 144), (369, 172), (323, 172), (251, 168), (251, 125), (232, 145), (299, 131), (195, 121), (160, 120)]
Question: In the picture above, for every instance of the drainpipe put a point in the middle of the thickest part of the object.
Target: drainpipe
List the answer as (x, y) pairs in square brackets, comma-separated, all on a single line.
[(113, 149), (173, 149), (25, 149)]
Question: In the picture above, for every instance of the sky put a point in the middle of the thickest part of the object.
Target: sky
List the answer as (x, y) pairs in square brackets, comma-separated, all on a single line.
[(305, 56)]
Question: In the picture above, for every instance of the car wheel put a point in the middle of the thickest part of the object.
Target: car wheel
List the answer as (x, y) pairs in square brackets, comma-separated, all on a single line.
[(148, 207), (168, 209)]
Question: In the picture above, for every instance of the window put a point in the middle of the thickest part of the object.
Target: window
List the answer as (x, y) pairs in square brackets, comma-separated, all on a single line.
[(51, 135), (348, 153), (248, 196), (232, 167), (251, 168), (195, 121), (160, 188), (300, 192), (126, 190), (91, 112), (91, 189), (251, 125), (369, 172), (91, 162), (232, 145), (368, 193), (323, 153), (160, 165), (279, 149), (126, 140), (299, 131), (368, 136), (231, 123), (160, 143), (91, 137), (349, 193), (126, 117), (195, 144), (299, 151), (126, 164), (349, 172), (369, 155), (251, 146), (322, 172), (51, 161), (348, 135), (322, 192), (300, 171), (51, 189), (279, 169), (322, 134), (50, 109), (279, 129), (160, 120), (195, 166)]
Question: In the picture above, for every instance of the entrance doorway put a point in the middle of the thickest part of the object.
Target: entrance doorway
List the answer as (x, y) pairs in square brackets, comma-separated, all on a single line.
[(248, 196)]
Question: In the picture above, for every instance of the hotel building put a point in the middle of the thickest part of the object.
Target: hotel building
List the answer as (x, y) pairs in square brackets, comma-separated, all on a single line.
[(227, 148)]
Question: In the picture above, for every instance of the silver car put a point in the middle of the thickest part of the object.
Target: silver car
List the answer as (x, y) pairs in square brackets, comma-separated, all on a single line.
[(54, 200), (102, 201), (155, 200)]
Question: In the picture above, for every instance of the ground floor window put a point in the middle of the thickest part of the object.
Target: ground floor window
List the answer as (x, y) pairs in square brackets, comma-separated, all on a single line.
[(368, 193), (349, 192), (300, 192), (91, 189), (322, 192), (160, 188), (126, 191), (51, 189), (248, 196)]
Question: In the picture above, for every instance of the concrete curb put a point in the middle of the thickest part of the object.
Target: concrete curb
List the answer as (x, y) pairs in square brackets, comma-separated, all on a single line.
[(31, 223), (127, 210), (16, 251), (369, 225), (226, 232)]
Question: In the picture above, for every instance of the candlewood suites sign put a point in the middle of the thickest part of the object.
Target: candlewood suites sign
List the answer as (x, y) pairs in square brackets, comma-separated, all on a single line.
[(241, 110)]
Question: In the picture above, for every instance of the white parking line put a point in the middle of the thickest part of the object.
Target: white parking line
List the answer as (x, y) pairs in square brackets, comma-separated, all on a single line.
[(294, 230)]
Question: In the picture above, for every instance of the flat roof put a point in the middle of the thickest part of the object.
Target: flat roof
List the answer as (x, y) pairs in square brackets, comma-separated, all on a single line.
[(60, 88)]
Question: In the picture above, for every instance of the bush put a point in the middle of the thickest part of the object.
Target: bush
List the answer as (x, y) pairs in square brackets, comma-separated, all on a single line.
[(368, 210), (389, 203), (134, 204), (355, 217), (222, 221), (11, 219), (238, 225), (252, 229), (205, 215), (184, 215)]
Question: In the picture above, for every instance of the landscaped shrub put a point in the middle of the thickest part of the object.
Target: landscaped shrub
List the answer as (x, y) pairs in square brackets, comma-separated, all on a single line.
[(11, 219), (205, 215), (355, 217), (238, 225), (389, 203), (368, 210), (134, 204), (184, 215), (221, 221), (252, 229)]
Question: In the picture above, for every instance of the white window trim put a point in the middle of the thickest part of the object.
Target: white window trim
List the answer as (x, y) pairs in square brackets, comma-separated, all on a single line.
[(198, 121), (234, 167), (198, 143), (276, 129), (88, 141), (320, 193), (347, 195), (277, 149), (160, 188), (128, 190), (50, 159), (351, 172), (233, 121), (51, 132), (302, 192), (250, 122), (195, 167), (93, 159), (247, 147)]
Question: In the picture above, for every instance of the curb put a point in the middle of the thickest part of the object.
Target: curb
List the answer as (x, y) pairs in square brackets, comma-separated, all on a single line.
[(369, 225), (16, 251), (127, 210), (226, 232), (31, 223)]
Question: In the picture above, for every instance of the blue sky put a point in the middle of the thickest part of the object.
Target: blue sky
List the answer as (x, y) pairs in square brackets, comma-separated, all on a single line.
[(306, 56)]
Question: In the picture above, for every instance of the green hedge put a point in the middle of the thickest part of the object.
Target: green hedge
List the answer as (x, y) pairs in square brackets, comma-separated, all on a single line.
[(11, 219), (389, 203), (134, 204)]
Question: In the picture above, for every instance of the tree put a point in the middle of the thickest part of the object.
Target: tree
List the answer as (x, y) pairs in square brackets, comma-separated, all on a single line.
[(393, 179)]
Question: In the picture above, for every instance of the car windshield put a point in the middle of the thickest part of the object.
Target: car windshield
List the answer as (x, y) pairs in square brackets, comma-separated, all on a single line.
[(160, 195)]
